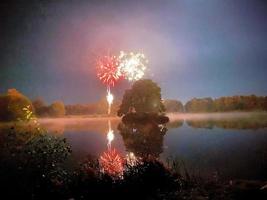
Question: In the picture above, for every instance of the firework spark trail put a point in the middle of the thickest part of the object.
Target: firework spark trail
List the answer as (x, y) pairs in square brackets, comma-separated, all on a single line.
[(107, 72), (109, 98)]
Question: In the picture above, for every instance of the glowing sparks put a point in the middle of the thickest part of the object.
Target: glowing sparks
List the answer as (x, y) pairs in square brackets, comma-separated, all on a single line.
[(109, 99), (112, 163), (132, 66), (107, 70), (131, 159), (110, 137)]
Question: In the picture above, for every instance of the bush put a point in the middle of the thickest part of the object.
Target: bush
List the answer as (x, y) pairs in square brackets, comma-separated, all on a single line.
[(149, 179), (12, 104), (31, 164)]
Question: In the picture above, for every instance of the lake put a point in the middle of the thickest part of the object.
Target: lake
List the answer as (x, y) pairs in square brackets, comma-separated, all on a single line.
[(229, 146)]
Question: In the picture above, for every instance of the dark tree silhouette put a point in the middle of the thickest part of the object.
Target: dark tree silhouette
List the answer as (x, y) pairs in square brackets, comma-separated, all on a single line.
[(144, 96)]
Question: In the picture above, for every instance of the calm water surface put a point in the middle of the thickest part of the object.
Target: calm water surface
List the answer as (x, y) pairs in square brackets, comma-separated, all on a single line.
[(226, 148)]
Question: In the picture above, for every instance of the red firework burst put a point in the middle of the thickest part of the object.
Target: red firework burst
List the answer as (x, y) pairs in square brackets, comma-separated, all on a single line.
[(107, 70), (112, 163)]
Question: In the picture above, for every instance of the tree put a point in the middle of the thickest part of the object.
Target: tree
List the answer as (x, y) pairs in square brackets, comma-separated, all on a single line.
[(12, 104), (226, 104), (144, 96), (57, 109), (4, 107), (173, 105), (38, 103), (39, 106), (199, 105)]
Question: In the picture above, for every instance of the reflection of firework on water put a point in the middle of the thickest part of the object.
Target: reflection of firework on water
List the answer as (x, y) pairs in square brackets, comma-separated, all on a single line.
[(132, 66), (110, 135), (107, 70), (112, 163), (131, 159)]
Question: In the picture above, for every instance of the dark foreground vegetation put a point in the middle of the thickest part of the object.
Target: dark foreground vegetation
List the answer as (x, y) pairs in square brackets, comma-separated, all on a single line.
[(37, 165)]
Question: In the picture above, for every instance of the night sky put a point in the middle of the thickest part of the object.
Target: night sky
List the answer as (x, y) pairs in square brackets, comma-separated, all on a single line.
[(195, 48)]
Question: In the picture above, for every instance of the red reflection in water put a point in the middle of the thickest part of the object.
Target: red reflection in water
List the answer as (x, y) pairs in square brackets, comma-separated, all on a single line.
[(112, 163)]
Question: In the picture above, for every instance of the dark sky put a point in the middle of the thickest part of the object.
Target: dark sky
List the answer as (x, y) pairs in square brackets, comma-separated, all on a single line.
[(195, 48)]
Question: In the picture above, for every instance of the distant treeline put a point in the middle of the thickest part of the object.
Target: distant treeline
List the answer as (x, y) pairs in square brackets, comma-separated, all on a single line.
[(56, 109), (12, 102), (195, 105), (172, 105), (226, 104), (222, 104), (99, 107)]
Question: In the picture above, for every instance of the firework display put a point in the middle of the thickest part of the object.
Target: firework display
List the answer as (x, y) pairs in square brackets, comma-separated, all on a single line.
[(107, 70), (110, 69), (132, 66)]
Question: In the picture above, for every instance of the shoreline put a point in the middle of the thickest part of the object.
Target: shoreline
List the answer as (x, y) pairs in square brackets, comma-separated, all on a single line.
[(172, 117), (215, 115)]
